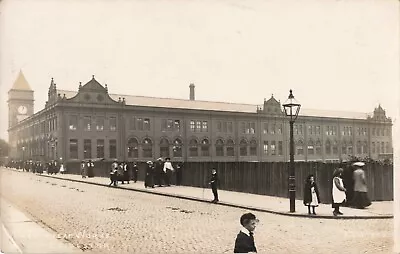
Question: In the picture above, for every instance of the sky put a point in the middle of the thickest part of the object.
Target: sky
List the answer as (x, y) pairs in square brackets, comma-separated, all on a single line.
[(335, 55)]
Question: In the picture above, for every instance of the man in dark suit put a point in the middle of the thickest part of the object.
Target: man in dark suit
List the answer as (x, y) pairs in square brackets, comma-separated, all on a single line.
[(245, 241), (214, 185)]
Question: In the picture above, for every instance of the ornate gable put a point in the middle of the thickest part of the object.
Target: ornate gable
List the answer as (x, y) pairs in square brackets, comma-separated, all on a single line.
[(93, 93)]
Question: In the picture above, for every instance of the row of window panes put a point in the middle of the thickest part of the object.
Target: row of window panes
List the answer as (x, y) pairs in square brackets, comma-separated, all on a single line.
[(139, 123), (331, 131), (298, 129), (198, 126), (347, 131), (314, 130), (223, 126), (270, 148), (87, 148), (379, 147), (87, 123), (247, 127), (362, 131), (380, 131), (170, 125), (275, 129)]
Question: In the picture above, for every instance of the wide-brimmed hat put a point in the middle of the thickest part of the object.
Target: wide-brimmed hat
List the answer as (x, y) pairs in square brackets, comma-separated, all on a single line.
[(358, 164), (149, 162)]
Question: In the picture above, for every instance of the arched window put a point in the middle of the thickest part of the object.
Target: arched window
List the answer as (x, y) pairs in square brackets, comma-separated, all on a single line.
[(219, 147), (344, 147), (177, 148), (230, 148), (350, 147), (300, 147), (243, 147), (253, 147), (328, 148), (310, 147), (133, 148), (205, 148), (147, 148), (193, 148), (359, 148), (164, 148), (318, 147)]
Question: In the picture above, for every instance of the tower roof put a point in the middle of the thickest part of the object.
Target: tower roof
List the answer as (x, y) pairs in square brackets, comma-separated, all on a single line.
[(21, 83)]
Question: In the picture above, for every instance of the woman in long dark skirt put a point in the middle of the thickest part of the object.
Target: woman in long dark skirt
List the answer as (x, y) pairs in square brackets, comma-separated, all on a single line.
[(311, 194), (148, 181), (360, 198)]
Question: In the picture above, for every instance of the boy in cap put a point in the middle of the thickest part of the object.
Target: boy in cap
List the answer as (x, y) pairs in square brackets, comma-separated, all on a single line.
[(214, 184), (245, 241)]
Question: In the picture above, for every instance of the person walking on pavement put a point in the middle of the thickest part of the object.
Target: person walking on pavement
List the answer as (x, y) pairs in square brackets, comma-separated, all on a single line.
[(244, 242), (135, 171), (338, 191), (148, 181), (178, 172), (214, 185), (360, 199), (311, 194), (168, 169), (125, 172), (113, 176), (158, 172), (83, 169)]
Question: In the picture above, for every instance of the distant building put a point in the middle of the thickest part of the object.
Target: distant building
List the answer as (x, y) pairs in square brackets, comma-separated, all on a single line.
[(91, 123)]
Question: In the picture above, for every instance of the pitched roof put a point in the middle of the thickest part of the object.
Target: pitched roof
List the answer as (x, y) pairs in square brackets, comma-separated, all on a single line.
[(21, 83), (216, 106)]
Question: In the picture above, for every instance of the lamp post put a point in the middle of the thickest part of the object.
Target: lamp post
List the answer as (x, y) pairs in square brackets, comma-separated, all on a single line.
[(292, 108)]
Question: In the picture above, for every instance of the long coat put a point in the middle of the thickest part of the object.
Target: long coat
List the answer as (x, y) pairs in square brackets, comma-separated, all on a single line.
[(307, 193), (360, 183)]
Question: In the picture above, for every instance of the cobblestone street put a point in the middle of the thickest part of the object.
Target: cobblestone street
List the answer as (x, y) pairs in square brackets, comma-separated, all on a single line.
[(109, 220)]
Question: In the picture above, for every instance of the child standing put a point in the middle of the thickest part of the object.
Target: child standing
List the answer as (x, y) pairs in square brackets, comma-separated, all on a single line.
[(245, 241), (311, 194)]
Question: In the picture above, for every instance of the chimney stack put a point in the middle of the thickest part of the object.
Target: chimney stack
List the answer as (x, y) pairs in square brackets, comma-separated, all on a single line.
[(191, 97)]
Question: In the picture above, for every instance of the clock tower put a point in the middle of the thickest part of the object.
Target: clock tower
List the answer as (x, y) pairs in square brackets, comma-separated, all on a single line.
[(20, 101)]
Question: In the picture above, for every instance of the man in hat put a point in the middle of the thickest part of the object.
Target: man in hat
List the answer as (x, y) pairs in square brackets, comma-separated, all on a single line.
[(214, 184), (148, 181), (360, 199), (135, 171), (168, 169), (158, 172)]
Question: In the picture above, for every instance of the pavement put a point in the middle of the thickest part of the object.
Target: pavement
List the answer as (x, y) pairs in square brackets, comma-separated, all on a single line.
[(261, 203), (21, 234)]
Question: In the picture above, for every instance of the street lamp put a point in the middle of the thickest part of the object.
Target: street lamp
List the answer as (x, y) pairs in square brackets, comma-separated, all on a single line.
[(292, 108)]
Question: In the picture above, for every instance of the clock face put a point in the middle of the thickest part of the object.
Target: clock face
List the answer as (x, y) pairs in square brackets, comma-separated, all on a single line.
[(22, 110)]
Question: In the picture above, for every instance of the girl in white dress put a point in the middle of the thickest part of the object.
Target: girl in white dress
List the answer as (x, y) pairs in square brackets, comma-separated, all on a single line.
[(338, 191), (311, 194)]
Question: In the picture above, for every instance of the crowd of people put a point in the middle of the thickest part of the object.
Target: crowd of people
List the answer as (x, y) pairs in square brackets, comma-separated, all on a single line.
[(51, 167), (348, 188)]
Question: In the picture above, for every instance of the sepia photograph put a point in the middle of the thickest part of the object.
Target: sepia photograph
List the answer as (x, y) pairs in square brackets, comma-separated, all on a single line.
[(199, 126)]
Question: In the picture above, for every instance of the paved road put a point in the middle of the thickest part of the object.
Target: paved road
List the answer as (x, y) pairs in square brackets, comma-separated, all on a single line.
[(108, 220)]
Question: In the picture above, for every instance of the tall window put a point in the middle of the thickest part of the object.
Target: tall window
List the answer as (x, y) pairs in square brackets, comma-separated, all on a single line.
[(87, 124), (139, 124), (219, 147), (243, 127), (205, 126), (73, 123), (318, 147), (300, 147), (388, 149), (310, 147), (280, 147), (147, 148), (335, 148), (192, 126), (230, 127), (252, 127), (344, 147), (198, 125), (73, 148), (265, 129), (265, 146), (133, 148), (243, 147), (193, 148), (383, 147), (164, 148), (177, 125), (230, 147), (87, 148), (373, 147), (113, 148), (328, 149), (100, 148), (99, 123), (279, 131), (113, 123), (272, 130), (273, 148), (350, 148), (365, 147), (378, 148), (253, 147), (359, 149), (132, 123), (146, 124), (177, 148), (205, 148), (219, 126)]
